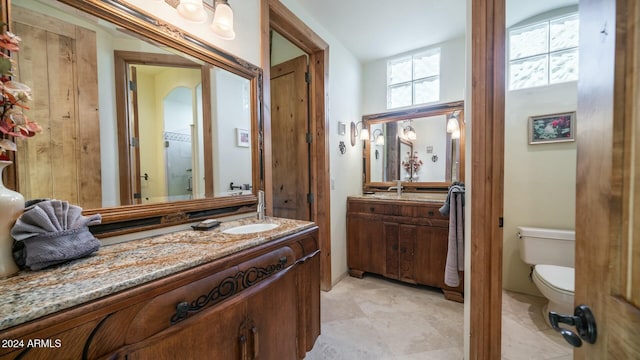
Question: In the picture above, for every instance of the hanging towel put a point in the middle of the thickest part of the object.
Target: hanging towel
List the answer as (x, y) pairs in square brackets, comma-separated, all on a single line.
[(455, 250), (457, 187), (51, 232)]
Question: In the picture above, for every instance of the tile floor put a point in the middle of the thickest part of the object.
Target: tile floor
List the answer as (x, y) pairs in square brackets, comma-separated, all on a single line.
[(375, 318)]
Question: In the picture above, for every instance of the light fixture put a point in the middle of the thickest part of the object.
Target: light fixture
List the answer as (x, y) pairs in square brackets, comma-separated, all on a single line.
[(196, 11), (453, 125), (455, 134), (192, 10), (410, 132), (379, 139), (222, 24), (364, 132)]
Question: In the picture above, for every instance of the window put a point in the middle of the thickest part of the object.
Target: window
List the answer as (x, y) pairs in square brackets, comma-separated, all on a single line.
[(544, 53), (413, 80)]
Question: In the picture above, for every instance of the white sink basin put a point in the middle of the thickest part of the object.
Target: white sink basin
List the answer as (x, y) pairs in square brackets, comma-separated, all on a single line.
[(250, 229)]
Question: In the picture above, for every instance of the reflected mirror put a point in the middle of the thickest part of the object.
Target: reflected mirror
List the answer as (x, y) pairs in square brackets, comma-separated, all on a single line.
[(126, 120), (423, 147)]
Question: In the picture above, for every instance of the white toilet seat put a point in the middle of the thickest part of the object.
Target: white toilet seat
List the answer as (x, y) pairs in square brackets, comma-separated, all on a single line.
[(558, 278), (556, 283)]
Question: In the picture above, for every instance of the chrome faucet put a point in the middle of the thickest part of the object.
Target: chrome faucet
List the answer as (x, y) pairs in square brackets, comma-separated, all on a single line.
[(398, 187), (260, 205)]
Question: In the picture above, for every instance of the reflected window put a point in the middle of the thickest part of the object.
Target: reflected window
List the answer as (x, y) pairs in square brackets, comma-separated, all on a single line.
[(544, 53), (414, 79)]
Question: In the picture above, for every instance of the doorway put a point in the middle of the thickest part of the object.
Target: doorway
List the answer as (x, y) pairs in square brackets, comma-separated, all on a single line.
[(277, 17), (290, 143)]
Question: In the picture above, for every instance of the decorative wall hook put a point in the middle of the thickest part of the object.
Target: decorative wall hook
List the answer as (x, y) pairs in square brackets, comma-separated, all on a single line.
[(342, 147)]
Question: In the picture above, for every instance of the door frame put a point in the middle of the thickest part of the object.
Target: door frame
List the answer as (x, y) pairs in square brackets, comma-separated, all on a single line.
[(273, 14), (487, 176), (122, 60)]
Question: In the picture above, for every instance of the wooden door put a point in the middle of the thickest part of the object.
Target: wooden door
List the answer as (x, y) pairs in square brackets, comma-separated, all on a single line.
[(365, 244), (219, 332), (63, 161), (290, 148), (272, 315), (607, 225)]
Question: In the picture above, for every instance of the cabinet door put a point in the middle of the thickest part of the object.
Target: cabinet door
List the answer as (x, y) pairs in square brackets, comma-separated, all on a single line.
[(273, 320), (365, 245), (406, 259), (431, 255), (392, 265), (216, 333)]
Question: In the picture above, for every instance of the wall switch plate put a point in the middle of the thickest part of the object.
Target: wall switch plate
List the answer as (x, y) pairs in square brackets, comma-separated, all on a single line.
[(342, 128)]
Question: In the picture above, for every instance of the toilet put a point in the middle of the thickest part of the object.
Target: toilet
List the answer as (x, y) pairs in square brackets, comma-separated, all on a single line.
[(552, 254)]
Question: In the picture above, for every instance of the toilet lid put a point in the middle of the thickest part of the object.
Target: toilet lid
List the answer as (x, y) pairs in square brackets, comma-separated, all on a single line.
[(559, 277)]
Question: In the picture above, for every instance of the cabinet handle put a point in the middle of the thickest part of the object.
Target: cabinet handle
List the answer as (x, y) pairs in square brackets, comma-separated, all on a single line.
[(372, 209), (430, 213), (256, 344), (403, 250), (395, 247), (243, 347)]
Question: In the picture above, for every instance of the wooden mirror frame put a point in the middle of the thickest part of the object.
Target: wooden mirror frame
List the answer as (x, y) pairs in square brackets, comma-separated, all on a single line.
[(131, 218), (413, 113)]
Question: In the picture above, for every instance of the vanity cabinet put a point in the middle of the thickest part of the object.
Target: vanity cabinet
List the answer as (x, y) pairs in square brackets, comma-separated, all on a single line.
[(259, 303), (402, 240)]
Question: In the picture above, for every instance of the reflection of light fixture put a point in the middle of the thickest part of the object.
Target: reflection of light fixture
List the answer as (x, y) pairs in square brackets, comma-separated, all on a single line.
[(364, 132), (222, 24), (379, 139), (410, 132), (192, 10), (455, 134), (453, 125)]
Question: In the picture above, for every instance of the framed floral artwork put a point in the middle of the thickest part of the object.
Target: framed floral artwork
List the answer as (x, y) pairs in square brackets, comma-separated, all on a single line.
[(552, 128)]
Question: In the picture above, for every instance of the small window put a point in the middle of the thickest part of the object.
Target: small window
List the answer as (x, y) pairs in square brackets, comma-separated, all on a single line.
[(413, 80), (544, 53)]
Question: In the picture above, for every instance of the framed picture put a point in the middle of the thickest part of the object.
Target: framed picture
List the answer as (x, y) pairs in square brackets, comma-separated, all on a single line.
[(552, 128), (242, 137)]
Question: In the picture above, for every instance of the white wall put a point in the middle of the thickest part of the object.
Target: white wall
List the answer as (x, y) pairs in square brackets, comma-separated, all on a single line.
[(452, 78), (230, 108), (539, 180), (283, 50), (432, 132), (344, 105)]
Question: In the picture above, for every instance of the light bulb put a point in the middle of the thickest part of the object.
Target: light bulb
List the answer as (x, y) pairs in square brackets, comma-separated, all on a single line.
[(192, 10), (222, 24), (364, 134)]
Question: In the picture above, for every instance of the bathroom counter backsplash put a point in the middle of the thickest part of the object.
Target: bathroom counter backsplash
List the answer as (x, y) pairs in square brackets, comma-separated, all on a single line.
[(420, 197), (32, 294)]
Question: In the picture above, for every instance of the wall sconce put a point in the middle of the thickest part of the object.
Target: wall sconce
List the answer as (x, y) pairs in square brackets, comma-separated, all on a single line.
[(364, 132), (379, 139), (453, 125), (194, 11), (409, 132)]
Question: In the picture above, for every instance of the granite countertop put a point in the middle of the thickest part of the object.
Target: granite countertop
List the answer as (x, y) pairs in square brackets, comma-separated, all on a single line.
[(32, 294), (421, 197)]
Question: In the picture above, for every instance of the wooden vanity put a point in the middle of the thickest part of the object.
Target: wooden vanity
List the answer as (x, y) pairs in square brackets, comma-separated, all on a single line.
[(259, 302), (402, 239)]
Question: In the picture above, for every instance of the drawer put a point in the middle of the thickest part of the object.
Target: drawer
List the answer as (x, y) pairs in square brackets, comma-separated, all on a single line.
[(161, 311), (373, 208), (424, 212)]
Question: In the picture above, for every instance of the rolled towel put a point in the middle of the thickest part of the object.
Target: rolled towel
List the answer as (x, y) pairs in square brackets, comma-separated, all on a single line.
[(51, 232)]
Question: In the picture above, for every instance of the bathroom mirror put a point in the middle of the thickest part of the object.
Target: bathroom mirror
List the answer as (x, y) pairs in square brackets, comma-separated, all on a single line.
[(415, 147), (141, 121)]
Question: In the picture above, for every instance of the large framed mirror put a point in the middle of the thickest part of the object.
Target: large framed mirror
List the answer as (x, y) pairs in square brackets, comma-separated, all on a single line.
[(423, 147), (142, 123)]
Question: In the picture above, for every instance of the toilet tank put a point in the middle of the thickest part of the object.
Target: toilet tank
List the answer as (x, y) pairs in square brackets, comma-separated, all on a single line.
[(547, 246)]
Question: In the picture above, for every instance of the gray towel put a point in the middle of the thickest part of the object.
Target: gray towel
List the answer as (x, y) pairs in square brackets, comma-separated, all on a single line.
[(52, 232), (455, 251)]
